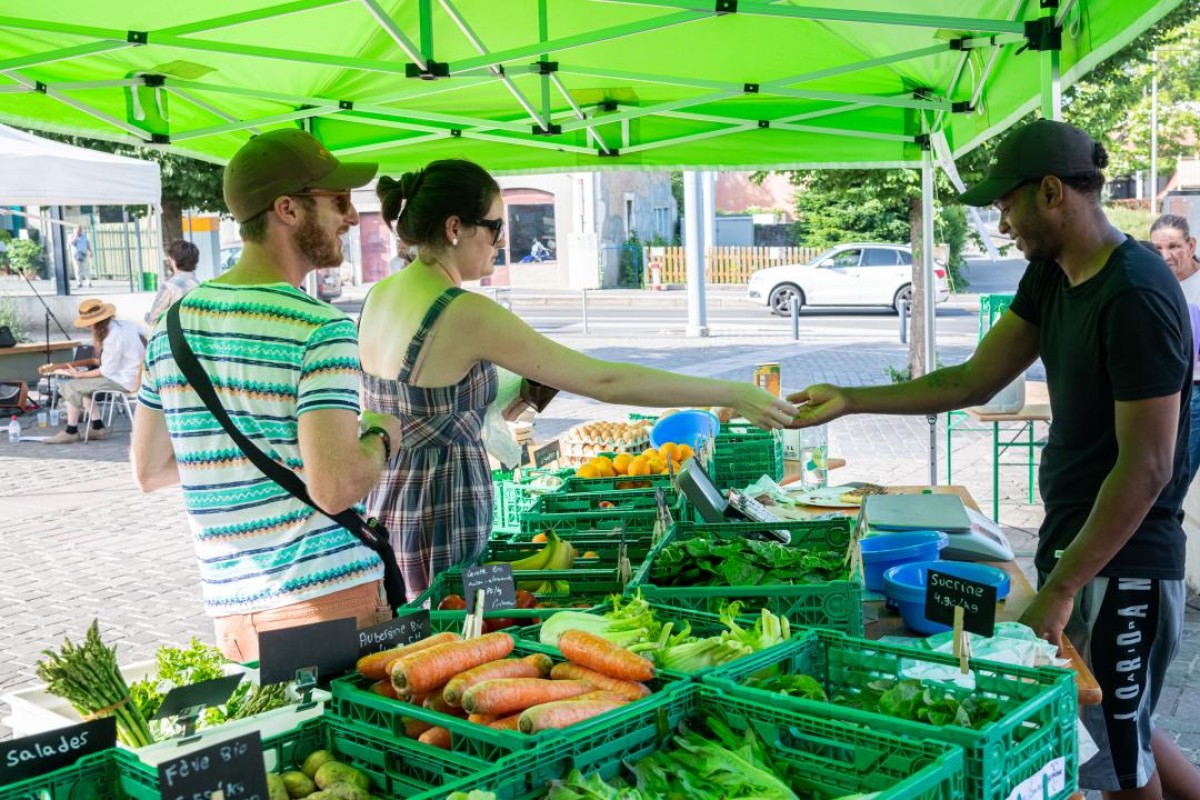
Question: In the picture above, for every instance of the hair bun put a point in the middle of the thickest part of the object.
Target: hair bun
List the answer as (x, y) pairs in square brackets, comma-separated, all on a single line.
[(410, 182), (1099, 155)]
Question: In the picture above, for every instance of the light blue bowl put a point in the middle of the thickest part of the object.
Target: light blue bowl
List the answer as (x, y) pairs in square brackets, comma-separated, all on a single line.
[(886, 550), (692, 427), (906, 584)]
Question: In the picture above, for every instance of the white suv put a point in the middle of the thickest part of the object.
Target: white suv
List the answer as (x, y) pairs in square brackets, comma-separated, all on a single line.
[(856, 274)]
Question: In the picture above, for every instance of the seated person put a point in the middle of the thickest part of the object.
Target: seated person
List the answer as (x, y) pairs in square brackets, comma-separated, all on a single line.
[(119, 349)]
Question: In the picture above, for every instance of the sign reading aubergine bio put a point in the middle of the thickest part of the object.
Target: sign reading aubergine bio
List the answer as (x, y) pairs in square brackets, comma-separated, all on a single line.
[(944, 592), (31, 756), (406, 629)]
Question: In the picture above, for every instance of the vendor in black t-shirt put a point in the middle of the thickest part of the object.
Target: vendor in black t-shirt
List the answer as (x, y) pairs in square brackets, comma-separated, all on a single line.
[(1109, 322)]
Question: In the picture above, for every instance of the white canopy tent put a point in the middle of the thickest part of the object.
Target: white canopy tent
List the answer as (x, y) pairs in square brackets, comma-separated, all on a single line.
[(39, 172)]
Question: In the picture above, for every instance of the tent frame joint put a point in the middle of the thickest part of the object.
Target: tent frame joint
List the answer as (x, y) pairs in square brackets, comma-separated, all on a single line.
[(548, 130), (923, 141), (41, 88), (1042, 35), (725, 6), (137, 37), (750, 88), (431, 71), (159, 138), (962, 107), (544, 67), (608, 105), (154, 80), (764, 123), (612, 152)]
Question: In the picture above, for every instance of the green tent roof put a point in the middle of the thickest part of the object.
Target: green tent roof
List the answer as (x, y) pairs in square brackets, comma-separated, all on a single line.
[(552, 85)]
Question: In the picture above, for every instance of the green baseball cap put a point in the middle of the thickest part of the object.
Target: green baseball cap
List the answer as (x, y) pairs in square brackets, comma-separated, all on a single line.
[(285, 162), (1032, 152)]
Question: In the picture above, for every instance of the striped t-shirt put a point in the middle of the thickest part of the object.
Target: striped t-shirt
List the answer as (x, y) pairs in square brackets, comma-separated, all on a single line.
[(272, 353)]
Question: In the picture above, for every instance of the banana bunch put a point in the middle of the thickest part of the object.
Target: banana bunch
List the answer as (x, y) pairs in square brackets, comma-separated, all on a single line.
[(557, 554)]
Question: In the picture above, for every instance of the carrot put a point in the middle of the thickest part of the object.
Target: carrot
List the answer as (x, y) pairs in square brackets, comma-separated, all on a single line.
[(591, 651), (384, 688), (413, 728), (563, 713), (534, 666), (421, 671), (511, 723), (434, 702), (436, 736), (482, 719), (375, 666), (509, 695), (599, 694), (573, 672)]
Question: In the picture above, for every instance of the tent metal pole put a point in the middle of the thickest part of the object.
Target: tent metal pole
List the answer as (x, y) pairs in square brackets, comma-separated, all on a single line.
[(693, 248), (65, 54), (930, 287), (241, 125), (268, 12)]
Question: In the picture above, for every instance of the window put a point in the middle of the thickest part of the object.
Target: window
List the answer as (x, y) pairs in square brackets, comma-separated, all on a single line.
[(531, 234), (905, 256), (847, 258), (662, 221), (879, 257)]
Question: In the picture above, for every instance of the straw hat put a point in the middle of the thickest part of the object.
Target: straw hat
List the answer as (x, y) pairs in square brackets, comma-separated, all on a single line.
[(92, 311)]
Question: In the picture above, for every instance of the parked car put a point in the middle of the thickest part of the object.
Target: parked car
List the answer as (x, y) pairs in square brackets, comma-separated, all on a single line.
[(329, 281), (855, 274)]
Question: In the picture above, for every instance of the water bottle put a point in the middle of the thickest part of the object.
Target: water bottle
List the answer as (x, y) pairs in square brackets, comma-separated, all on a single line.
[(14, 430)]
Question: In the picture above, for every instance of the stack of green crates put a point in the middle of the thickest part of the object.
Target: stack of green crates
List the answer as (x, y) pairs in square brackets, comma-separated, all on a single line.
[(836, 605), (742, 454), (93, 777), (514, 497), (1033, 741)]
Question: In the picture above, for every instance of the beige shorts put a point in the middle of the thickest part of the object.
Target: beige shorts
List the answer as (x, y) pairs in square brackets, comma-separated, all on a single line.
[(237, 635), (75, 391)]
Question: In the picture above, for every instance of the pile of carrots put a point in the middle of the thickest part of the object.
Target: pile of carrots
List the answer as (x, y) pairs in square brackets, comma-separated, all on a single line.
[(477, 680)]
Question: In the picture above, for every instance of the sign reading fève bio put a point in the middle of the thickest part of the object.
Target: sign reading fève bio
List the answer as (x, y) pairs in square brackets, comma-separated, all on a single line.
[(943, 592), (496, 582), (394, 633), (546, 454), (35, 755), (330, 646), (234, 767)]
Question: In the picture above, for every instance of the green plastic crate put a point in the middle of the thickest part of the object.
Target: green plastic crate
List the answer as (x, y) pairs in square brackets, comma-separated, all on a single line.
[(836, 605), (517, 497), (617, 500), (743, 455), (398, 769), (835, 759), (353, 701), (638, 521), (991, 308), (606, 550), (576, 484), (93, 777), (588, 588), (1039, 706), (499, 476)]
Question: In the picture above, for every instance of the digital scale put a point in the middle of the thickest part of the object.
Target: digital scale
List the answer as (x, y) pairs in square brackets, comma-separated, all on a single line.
[(973, 537), (713, 506)]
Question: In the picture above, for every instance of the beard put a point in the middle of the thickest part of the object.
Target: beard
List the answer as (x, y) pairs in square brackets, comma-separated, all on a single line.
[(320, 248)]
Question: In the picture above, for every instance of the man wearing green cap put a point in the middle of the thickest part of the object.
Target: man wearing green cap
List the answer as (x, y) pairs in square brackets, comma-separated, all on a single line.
[(1110, 324), (285, 368)]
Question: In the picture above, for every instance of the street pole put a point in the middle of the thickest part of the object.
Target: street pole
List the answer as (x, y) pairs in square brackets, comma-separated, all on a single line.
[(585, 316), (693, 247), (1154, 133)]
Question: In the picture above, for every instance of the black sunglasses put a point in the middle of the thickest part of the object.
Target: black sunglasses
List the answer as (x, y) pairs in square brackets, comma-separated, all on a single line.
[(496, 226), (341, 197)]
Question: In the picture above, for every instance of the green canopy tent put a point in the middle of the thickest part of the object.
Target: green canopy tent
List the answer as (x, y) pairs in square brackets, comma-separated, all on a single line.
[(553, 85)]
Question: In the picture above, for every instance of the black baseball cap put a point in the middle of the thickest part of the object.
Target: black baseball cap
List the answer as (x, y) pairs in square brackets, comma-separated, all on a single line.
[(283, 162), (1030, 153)]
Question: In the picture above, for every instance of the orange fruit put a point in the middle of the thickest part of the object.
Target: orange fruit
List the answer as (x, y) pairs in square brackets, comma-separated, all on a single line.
[(588, 471), (621, 463), (590, 554), (649, 452), (677, 465), (539, 538), (639, 466), (668, 450), (683, 452), (655, 466)]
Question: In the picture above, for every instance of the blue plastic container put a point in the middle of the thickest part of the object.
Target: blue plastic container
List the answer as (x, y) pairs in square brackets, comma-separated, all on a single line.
[(692, 427), (886, 550), (906, 584)]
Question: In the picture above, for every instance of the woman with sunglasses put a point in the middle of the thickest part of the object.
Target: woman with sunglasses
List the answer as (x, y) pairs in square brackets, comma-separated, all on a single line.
[(428, 351)]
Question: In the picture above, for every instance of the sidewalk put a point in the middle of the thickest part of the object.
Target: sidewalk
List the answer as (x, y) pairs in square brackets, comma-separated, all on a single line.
[(82, 542)]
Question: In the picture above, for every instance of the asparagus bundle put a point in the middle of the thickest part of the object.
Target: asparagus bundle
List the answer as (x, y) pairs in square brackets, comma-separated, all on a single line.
[(89, 679)]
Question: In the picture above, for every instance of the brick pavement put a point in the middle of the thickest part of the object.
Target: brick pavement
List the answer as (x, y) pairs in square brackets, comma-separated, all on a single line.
[(81, 542)]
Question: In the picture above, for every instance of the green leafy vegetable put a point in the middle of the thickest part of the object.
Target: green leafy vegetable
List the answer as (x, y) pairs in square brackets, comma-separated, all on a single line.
[(704, 561)]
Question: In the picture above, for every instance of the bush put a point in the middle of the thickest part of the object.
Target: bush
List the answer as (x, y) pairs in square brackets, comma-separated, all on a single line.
[(1131, 218), (27, 256), (10, 317)]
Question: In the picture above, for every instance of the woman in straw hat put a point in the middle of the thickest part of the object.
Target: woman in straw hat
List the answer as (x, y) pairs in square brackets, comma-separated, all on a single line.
[(119, 350)]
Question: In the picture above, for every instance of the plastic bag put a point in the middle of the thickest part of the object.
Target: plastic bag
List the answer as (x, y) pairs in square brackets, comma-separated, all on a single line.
[(497, 438)]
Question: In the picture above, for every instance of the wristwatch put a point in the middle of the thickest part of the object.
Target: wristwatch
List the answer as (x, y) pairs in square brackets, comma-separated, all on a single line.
[(384, 437)]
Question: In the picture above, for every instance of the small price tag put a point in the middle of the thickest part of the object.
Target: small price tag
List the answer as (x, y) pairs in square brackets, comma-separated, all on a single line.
[(945, 592), (496, 582), (202, 695), (330, 646), (546, 454), (31, 756), (234, 767), (396, 632)]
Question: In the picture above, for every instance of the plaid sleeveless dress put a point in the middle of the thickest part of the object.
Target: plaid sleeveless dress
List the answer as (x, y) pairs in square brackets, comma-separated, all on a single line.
[(436, 494)]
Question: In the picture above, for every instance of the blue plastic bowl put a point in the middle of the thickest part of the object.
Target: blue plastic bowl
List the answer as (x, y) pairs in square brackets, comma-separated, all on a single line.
[(692, 427), (881, 553), (906, 583)]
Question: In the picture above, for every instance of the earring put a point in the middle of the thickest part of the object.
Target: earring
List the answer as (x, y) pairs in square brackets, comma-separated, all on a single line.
[(454, 241)]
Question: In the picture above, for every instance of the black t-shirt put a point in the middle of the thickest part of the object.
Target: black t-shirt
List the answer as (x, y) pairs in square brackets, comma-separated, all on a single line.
[(1122, 335)]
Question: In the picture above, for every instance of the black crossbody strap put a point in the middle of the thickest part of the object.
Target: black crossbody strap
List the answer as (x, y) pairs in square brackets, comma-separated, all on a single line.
[(369, 532)]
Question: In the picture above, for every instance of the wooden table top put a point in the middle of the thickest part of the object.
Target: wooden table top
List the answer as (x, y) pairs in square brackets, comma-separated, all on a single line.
[(25, 348), (1021, 594)]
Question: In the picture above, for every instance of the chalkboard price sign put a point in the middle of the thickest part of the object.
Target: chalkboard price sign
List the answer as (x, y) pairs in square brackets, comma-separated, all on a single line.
[(546, 454), (41, 753), (496, 581), (978, 600), (234, 767), (330, 646), (396, 632)]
